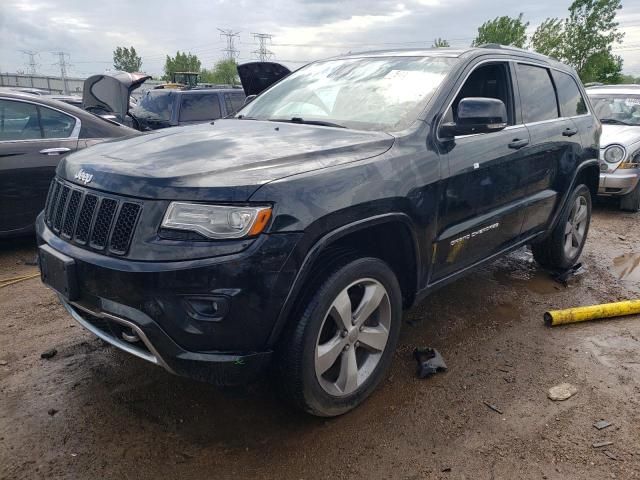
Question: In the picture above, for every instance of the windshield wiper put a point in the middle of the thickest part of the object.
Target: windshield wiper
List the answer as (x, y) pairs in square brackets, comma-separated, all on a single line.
[(613, 121), (307, 122)]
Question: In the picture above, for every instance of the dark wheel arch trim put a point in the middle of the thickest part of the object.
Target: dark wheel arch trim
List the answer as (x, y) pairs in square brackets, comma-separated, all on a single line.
[(321, 245), (567, 193)]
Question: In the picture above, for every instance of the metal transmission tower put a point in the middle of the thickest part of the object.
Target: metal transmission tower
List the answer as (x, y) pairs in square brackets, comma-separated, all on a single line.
[(262, 53), (62, 62), (231, 51), (33, 65)]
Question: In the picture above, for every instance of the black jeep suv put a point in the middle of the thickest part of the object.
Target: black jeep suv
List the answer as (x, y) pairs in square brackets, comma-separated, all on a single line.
[(297, 232)]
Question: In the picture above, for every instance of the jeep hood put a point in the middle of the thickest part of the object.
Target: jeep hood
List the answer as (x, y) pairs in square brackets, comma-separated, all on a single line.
[(223, 161), (619, 134), (258, 76), (109, 92)]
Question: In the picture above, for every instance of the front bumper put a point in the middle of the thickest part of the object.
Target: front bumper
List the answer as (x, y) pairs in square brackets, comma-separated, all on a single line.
[(143, 307), (619, 182)]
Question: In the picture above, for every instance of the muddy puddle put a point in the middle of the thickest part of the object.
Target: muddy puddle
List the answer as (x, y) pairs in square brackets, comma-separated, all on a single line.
[(534, 280), (627, 267)]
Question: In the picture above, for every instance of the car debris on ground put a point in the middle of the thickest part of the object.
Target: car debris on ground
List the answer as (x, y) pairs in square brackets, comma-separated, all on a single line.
[(605, 443), (429, 361), (562, 392), (602, 424), (493, 407), (47, 354)]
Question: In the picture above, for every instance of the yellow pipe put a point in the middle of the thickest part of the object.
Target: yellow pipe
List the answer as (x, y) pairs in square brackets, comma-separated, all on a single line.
[(592, 312), (10, 281)]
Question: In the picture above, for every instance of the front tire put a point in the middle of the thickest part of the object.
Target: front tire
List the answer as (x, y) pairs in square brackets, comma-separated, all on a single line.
[(339, 349), (631, 201), (561, 249)]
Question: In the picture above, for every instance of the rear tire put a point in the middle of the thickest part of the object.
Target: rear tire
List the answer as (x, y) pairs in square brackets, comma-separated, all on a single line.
[(631, 201), (337, 352), (562, 248)]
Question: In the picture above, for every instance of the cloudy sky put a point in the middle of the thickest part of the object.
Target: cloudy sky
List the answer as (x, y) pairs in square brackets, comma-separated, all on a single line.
[(303, 30)]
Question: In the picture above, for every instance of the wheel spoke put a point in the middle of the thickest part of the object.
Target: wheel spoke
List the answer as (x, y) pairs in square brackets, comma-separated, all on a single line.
[(581, 214), (373, 295), (577, 237), (568, 243), (374, 338), (347, 380), (341, 310), (328, 353), (567, 228)]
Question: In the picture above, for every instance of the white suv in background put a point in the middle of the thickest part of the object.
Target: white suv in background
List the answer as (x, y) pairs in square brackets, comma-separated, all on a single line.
[(618, 108)]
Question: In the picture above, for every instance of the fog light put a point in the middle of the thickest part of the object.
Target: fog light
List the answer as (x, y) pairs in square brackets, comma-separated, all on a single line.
[(207, 308)]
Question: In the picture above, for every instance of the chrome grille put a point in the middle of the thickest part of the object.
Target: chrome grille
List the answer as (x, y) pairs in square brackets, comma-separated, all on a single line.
[(91, 219)]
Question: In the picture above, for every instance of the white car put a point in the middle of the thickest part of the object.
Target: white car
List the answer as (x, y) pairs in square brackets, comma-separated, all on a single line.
[(618, 108)]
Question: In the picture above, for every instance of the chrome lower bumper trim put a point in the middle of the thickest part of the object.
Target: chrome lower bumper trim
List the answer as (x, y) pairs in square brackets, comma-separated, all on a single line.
[(151, 356)]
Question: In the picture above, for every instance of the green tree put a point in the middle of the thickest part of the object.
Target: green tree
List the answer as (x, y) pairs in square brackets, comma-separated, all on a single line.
[(548, 38), (584, 40), (440, 43), (223, 72), (182, 62), (503, 30), (589, 35), (126, 59)]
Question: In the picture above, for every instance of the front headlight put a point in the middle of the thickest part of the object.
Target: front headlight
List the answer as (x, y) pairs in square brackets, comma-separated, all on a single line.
[(614, 154), (217, 221)]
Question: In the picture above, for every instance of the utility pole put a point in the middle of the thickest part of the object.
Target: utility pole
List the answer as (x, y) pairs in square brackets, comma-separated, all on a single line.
[(231, 51), (262, 53), (33, 65), (62, 62)]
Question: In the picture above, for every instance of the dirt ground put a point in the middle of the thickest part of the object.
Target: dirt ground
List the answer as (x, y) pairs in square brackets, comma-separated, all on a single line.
[(92, 412)]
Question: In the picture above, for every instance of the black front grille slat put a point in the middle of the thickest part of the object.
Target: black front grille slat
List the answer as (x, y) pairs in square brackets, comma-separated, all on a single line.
[(90, 219), (70, 216), (123, 230), (60, 209), (85, 217), (54, 201), (102, 224), (48, 202)]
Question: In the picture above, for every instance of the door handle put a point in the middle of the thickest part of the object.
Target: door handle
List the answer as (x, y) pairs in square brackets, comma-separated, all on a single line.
[(518, 143), (55, 151), (569, 132)]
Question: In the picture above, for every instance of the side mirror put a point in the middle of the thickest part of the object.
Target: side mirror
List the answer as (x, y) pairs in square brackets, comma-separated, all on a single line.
[(249, 99), (477, 115)]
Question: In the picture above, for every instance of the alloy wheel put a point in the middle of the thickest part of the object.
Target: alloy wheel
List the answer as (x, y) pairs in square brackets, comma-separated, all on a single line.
[(353, 336), (576, 227)]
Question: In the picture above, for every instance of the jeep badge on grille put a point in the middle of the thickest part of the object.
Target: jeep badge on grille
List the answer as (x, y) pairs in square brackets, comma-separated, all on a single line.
[(83, 176)]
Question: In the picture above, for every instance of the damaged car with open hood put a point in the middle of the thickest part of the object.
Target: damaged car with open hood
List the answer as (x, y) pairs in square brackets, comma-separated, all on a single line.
[(295, 233)]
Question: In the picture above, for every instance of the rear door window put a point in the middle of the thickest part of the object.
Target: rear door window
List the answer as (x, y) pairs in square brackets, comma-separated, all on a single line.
[(56, 124), (199, 107), (233, 102), (571, 101), (19, 121), (537, 94)]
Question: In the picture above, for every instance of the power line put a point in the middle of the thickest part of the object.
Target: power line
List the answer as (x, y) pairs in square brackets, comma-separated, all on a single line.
[(33, 65), (230, 36), (262, 53), (62, 62)]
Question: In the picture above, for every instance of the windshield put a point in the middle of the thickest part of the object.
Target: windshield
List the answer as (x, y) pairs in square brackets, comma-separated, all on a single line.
[(618, 109), (386, 93), (158, 105)]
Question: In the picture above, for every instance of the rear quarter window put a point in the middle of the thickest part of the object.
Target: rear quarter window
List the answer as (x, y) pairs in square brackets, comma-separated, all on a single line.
[(571, 101), (537, 94), (199, 107)]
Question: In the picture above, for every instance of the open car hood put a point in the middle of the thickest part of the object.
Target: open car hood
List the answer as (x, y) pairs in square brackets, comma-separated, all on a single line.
[(109, 92), (258, 76)]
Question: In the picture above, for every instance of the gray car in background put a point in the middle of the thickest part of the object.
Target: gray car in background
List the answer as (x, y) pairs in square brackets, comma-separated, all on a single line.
[(618, 108)]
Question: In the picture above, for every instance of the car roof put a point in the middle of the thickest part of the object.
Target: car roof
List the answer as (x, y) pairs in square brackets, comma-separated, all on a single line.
[(614, 89), (459, 52)]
